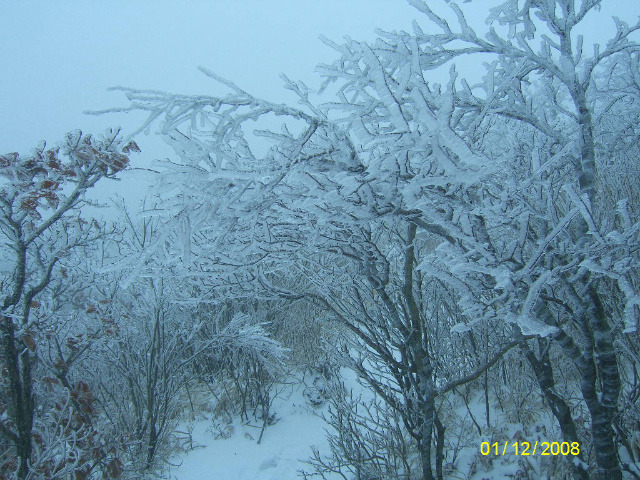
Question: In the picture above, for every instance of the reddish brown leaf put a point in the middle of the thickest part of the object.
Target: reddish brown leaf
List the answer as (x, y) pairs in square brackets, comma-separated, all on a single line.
[(115, 468), (29, 342), (72, 343), (61, 365), (49, 185)]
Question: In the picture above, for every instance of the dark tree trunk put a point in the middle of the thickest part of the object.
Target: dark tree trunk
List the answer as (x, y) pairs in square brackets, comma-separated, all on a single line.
[(544, 374), (19, 396), (598, 367), (439, 447), (425, 436), (420, 360), (600, 364)]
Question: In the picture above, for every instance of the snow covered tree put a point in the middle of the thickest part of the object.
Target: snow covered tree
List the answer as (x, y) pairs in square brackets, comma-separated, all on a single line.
[(521, 244), (140, 371), (501, 172), (40, 201), (254, 362), (402, 346)]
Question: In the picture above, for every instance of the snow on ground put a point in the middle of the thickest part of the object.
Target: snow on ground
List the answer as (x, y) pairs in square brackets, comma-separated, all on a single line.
[(284, 447), (287, 444)]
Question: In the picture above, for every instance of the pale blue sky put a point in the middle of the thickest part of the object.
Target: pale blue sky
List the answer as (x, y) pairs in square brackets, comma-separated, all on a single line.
[(58, 58)]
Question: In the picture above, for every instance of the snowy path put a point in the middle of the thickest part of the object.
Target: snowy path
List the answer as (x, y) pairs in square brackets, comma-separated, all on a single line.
[(284, 447)]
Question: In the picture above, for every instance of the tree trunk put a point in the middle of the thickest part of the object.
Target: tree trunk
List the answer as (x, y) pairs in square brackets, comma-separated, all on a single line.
[(19, 395), (424, 442), (599, 361), (420, 361), (604, 372), (601, 365), (544, 374), (439, 447)]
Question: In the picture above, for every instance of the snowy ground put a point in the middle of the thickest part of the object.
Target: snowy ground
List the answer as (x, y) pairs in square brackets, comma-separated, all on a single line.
[(281, 454), (287, 444)]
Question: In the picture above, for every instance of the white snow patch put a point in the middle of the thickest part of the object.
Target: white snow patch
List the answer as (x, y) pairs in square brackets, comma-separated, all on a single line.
[(284, 447)]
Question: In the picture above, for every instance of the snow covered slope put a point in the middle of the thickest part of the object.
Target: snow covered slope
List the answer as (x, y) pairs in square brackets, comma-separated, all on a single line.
[(284, 447)]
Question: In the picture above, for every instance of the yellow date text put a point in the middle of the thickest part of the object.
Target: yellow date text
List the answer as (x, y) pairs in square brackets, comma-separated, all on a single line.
[(528, 448)]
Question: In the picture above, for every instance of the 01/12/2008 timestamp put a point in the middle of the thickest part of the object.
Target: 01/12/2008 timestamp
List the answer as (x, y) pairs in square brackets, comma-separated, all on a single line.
[(527, 448)]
